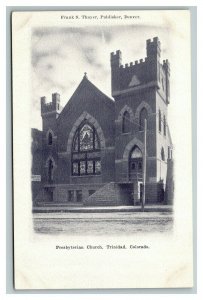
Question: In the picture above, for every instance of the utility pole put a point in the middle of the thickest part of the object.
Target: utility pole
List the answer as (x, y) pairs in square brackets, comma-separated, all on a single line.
[(144, 165)]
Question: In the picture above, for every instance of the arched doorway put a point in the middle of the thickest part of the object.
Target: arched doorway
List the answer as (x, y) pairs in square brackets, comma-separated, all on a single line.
[(135, 164), (135, 173)]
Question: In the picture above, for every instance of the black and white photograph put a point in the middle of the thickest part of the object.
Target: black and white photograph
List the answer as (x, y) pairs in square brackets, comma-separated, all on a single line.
[(108, 153), (101, 135)]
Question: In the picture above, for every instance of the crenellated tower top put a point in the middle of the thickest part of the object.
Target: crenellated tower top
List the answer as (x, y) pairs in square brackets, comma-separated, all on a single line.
[(153, 48), (52, 107), (145, 72)]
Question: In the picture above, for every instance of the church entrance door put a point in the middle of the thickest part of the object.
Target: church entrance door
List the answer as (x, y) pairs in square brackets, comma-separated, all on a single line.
[(135, 165)]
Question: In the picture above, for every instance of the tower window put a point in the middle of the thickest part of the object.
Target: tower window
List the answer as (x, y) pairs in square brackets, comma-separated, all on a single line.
[(86, 156), (162, 154), (159, 121), (164, 125), (126, 122), (50, 139), (143, 117)]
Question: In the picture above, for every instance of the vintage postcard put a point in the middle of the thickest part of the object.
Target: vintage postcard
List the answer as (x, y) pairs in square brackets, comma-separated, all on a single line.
[(102, 149)]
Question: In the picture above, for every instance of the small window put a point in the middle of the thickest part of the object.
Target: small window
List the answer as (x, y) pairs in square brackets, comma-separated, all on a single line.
[(90, 167), (82, 167), (70, 196), (97, 167), (159, 121), (126, 122), (164, 125), (79, 196), (50, 139), (162, 154), (75, 168)]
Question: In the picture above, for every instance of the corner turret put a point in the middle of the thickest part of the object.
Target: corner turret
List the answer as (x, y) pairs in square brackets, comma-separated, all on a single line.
[(50, 112), (116, 61), (52, 107), (153, 49)]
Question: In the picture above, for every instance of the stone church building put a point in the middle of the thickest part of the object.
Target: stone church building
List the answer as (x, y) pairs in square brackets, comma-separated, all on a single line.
[(91, 151)]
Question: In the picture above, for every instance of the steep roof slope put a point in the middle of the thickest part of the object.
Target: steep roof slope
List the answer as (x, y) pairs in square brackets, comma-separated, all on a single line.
[(84, 85)]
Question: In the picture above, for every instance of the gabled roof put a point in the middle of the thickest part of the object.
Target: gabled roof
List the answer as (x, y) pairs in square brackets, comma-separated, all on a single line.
[(86, 84)]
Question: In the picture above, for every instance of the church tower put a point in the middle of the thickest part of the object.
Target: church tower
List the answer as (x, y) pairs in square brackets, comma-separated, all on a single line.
[(141, 90), (50, 112)]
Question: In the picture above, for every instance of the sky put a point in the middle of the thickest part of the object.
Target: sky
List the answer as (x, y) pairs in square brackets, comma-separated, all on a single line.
[(61, 55)]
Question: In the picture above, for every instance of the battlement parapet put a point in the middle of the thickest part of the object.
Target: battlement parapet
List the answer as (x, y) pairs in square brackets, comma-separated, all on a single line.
[(116, 59), (154, 40), (144, 70), (166, 62), (116, 53), (53, 106), (153, 47), (133, 64)]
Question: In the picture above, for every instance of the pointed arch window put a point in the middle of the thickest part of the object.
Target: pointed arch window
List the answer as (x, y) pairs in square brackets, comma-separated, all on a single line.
[(159, 120), (164, 125), (86, 155), (143, 116), (162, 154), (126, 122)]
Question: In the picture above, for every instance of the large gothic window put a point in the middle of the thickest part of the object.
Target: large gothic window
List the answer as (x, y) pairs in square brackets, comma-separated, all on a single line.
[(126, 122), (86, 158), (143, 116)]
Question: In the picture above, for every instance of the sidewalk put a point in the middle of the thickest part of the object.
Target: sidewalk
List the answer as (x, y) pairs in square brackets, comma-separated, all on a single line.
[(102, 209)]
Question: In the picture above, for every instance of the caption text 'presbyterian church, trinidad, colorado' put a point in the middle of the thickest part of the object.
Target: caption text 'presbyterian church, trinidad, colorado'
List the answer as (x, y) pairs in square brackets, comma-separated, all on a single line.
[(90, 153)]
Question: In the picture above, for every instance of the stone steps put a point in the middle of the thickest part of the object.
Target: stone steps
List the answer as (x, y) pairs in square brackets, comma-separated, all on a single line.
[(105, 196)]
